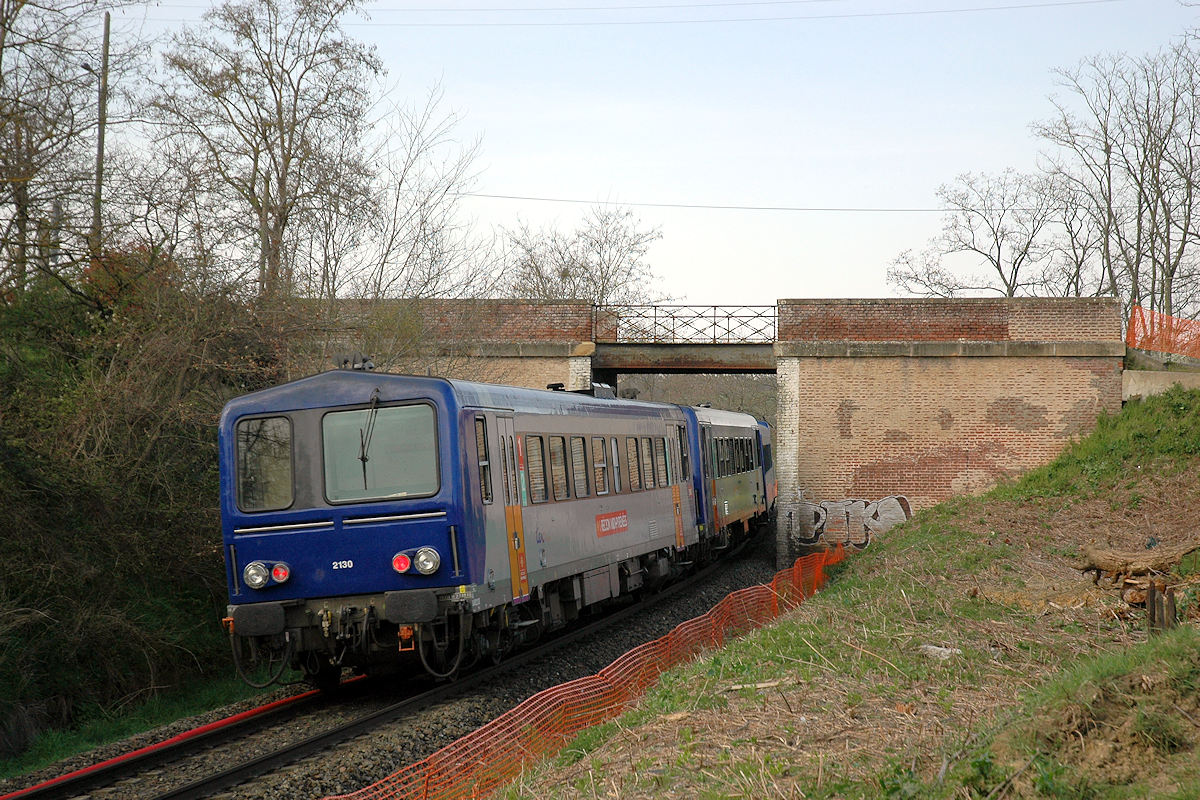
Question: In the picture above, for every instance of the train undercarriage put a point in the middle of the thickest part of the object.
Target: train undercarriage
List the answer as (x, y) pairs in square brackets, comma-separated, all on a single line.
[(438, 632)]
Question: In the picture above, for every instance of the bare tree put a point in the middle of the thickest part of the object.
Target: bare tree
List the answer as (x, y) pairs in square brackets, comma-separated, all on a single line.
[(49, 60), (1074, 268), (997, 220), (1127, 145), (272, 91), (603, 261), (419, 246)]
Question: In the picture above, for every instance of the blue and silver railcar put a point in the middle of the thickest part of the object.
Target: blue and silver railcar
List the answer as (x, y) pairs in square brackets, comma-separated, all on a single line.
[(372, 518)]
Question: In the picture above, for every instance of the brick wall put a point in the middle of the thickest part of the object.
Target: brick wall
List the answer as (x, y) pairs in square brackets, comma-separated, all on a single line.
[(483, 320), (931, 320), (530, 372), (927, 421)]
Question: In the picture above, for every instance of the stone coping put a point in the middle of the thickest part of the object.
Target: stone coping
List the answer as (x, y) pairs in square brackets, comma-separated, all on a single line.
[(961, 349)]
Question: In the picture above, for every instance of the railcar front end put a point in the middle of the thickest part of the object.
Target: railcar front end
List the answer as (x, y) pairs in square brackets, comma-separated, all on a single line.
[(342, 524)]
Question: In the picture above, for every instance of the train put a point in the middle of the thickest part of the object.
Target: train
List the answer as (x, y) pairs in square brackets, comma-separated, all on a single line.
[(380, 522)]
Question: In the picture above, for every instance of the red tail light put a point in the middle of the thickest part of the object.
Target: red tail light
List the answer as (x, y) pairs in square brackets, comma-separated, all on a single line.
[(281, 572), (401, 562)]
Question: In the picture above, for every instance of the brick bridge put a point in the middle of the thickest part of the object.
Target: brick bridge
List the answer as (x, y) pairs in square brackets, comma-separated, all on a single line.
[(926, 398)]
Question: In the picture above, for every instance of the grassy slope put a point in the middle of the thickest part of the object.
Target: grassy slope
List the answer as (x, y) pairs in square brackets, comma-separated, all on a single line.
[(1053, 689)]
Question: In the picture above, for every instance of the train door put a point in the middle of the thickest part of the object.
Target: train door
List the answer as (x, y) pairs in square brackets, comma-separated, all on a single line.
[(681, 483), (760, 481), (710, 477), (512, 464), (670, 453)]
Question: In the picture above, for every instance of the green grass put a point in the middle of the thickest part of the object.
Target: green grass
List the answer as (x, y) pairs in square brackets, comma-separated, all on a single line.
[(863, 634), (1154, 433), (1094, 693), (102, 726)]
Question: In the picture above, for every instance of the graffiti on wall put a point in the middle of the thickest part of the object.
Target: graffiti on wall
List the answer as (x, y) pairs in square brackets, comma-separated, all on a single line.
[(850, 522)]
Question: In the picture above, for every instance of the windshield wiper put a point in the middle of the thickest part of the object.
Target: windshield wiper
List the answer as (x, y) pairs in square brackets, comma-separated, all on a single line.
[(366, 432)]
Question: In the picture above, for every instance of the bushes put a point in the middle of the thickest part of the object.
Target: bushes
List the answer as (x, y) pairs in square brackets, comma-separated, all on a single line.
[(112, 582)]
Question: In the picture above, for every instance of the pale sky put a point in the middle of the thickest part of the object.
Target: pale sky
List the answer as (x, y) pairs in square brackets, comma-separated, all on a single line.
[(811, 104)]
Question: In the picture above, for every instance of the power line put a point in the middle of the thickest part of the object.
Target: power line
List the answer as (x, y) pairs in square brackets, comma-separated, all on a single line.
[(848, 15), (644, 7), (558, 9), (718, 20), (705, 206)]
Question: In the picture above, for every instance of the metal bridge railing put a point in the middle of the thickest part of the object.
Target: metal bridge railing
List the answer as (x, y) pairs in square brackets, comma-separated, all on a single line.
[(682, 324)]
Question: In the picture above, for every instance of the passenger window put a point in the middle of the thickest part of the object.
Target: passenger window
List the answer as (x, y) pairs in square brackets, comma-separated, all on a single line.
[(631, 458), (504, 470), (684, 463), (485, 464), (535, 463), (558, 467), (616, 466), (647, 463), (660, 461), (579, 470), (513, 477), (706, 452), (672, 463), (600, 464)]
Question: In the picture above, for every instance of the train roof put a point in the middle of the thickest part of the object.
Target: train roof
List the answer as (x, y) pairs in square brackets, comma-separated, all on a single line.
[(355, 387), (717, 416)]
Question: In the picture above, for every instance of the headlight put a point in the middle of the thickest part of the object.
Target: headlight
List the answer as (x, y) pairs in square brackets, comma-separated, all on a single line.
[(256, 574), (427, 560)]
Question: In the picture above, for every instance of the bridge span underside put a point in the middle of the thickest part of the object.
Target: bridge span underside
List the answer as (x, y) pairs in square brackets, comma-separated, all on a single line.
[(611, 360)]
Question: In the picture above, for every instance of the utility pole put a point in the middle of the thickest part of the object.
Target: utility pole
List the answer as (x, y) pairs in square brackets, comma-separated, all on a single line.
[(94, 234)]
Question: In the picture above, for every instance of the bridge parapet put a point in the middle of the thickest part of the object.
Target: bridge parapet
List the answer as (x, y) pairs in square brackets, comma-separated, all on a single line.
[(685, 324)]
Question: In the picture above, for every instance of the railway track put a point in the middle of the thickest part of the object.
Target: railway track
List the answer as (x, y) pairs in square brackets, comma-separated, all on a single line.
[(123, 773)]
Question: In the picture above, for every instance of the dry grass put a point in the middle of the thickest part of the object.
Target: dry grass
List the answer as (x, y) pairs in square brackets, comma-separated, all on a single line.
[(838, 699)]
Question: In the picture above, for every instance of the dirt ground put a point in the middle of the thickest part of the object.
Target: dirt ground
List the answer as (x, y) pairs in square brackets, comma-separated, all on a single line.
[(827, 737)]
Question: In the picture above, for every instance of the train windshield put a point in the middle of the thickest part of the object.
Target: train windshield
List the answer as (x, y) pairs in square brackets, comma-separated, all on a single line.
[(380, 453)]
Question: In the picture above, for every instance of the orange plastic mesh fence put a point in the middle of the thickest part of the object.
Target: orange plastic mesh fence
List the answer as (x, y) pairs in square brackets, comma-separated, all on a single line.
[(480, 762), (1150, 330)]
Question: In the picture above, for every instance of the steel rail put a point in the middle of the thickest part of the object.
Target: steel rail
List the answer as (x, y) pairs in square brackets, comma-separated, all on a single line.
[(118, 768), (109, 771), (239, 773)]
